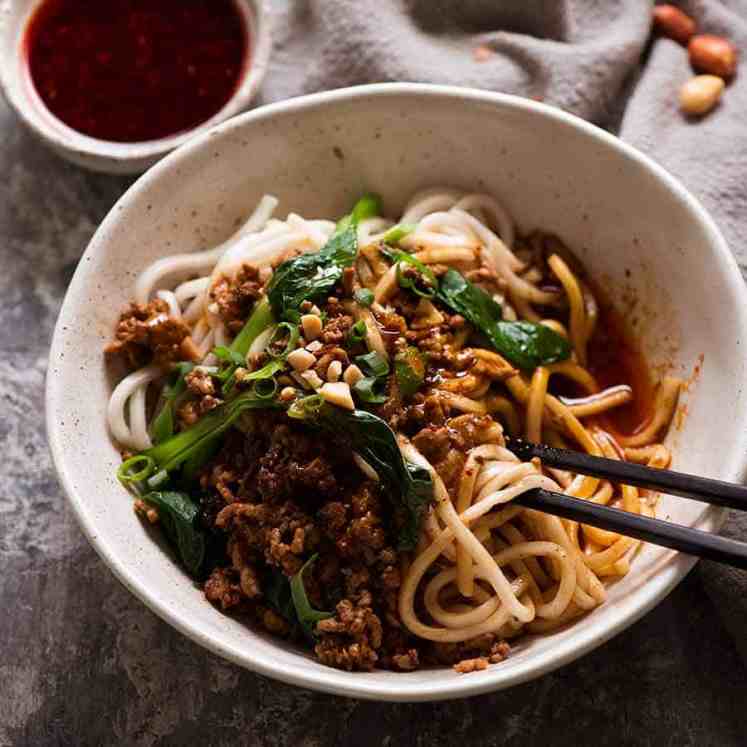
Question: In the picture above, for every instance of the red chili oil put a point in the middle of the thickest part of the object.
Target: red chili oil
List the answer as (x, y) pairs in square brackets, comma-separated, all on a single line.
[(136, 70)]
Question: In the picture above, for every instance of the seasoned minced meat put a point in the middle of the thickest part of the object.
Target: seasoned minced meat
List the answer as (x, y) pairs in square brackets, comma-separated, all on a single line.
[(235, 298), (351, 638), (147, 333), (286, 495)]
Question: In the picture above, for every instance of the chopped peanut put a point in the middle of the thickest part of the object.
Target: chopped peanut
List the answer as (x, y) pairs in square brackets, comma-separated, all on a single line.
[(312, 378), (338, 393), (334, 371), (300, 360), (312, 326), (352, 375)]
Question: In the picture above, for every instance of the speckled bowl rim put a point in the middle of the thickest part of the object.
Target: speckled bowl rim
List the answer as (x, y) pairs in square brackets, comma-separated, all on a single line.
[(332, 680), (109, 156)]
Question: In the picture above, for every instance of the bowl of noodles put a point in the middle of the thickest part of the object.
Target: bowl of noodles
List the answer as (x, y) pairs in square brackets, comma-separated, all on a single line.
[(287, 372)]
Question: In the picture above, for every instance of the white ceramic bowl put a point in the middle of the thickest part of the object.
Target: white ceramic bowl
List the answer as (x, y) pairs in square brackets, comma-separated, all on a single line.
[(103, 155), (635, 227)]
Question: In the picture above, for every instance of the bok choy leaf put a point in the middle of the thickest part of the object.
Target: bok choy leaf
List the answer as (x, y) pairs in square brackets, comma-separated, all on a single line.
[(525, 344)]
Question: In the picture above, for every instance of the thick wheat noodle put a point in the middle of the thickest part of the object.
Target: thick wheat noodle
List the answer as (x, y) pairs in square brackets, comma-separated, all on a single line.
[(563, 552), (444, 255), (118, 403), (372, 230), (374, 340), (578, 326), (529, 566), (429, 201), (503, 406), (469, 384), (387, 285), (462, 403), (502, 219), (466, 490), (555, 326), (665, 403), (169, 297), (499, 250), (458, 530), (576, 373), (190, 289), (592, 310), (595, 404), (523, 308), (536, 404), (655, 455), (374, 258)]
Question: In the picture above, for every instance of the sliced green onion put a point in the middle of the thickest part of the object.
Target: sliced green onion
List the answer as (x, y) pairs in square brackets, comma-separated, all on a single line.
[(367, 207), (276, 336), (136, 469), (305, 407), (409, 283), (396, 233), (373, 364), (266, 388), (358, 333)]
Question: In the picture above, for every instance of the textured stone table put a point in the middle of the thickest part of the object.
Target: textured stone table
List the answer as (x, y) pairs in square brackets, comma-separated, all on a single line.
[(82, 662)]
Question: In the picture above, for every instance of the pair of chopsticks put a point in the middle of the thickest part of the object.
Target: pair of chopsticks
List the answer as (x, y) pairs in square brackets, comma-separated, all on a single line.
[(657, 532)]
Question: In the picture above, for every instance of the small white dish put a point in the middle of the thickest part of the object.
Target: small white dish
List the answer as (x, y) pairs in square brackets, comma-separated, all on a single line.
[(637, 230), (103, 155)]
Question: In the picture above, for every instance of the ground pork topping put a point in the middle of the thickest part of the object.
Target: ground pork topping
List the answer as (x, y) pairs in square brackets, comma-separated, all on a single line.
[(350, 639), (146, 333), (235, 298)]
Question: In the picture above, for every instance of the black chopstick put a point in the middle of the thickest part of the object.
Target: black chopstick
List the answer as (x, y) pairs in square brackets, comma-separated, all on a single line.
[(657, 532), (704, 489)]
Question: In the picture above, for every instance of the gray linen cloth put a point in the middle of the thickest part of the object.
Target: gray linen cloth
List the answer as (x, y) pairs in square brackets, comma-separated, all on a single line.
[(593, 58)]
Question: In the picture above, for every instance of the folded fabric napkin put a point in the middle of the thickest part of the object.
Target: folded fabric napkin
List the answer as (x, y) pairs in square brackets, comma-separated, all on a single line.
[(594, 58)]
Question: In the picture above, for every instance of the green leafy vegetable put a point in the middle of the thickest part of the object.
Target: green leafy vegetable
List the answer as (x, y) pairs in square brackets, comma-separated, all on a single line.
[(408, 486), (364, 297), (409, 368), (229, 356), (525, 344), (368, 206), (358, 333), (372, 388), (235, 356), (373, 364), (277, 592), (396, 233), (178, 449), (259, 320), (311, 277), (473, 303), (419, 280), (178, 516), (307, 616), (162, 425)]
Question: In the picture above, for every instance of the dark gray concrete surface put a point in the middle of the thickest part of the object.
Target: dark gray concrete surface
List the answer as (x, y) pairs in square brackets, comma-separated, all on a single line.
[(82, 662)]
